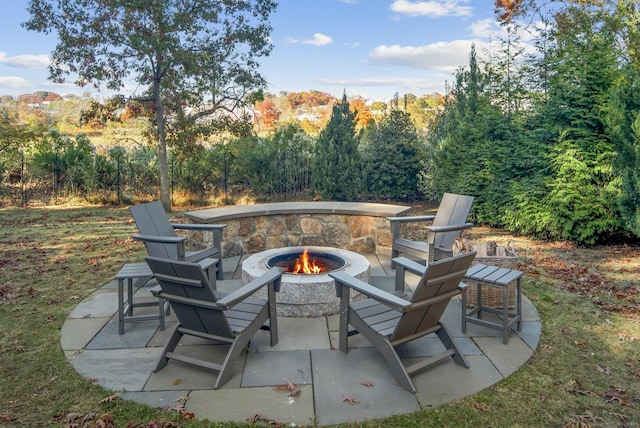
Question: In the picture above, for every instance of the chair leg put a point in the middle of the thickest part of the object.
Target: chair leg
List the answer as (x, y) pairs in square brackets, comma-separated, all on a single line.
[(388, 352), (447, 341), (219, 270), (170, 346)]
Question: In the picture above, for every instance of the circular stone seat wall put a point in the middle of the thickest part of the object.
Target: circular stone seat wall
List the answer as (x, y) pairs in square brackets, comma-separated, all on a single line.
[(354, 226)]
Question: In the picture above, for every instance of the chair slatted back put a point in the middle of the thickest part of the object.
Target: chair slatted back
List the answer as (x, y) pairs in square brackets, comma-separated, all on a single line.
[(441, 279), (453, 209), (180, 280), (151, 219)]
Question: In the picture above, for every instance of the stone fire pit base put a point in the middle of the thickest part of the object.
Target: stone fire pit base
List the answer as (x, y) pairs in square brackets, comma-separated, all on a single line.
[(306, 295)]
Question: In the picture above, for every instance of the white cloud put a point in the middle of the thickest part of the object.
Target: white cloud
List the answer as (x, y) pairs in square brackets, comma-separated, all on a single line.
[(442, 56), (13, 82), (433, 8), (318, 39), (24, 61), (384, 87)]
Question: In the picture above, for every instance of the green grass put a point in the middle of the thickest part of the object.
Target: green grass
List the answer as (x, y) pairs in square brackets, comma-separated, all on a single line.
[(586, 371)]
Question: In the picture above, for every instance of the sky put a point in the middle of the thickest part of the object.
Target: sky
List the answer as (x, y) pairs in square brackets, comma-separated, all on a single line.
[(368, 48)]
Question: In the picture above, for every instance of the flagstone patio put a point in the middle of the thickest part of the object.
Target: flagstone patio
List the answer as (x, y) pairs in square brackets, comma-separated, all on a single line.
[(334, 387)]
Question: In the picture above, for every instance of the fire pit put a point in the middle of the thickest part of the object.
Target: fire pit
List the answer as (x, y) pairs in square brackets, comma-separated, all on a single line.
[(307, 294)]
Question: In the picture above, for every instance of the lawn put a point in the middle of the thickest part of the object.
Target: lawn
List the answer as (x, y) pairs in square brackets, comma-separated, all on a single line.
[(585, 372)]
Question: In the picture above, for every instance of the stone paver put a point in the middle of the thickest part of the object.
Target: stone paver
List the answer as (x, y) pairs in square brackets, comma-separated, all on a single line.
[(306, 355)]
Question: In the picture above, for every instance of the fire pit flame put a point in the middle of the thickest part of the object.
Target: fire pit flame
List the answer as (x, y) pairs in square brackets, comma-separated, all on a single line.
[(305, 265)]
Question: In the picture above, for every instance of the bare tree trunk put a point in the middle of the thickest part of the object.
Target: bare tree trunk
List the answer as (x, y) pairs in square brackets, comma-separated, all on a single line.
[(165, 195)]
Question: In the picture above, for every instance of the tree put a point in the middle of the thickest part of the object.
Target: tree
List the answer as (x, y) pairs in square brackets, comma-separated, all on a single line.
[(392, 157), (337, 168), (624, 128), (195, 59)]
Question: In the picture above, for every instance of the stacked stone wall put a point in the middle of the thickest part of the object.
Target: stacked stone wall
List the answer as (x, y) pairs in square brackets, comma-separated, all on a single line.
[(248, 235)]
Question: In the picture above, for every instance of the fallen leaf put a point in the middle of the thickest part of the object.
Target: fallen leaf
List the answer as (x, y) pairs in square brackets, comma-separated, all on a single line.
[(177, 381), (182, 398), (480, 406), (105, 421), (295, 393), (109, 399), (259, 418), (366, 383), (604, 369), (350, 400), (582, 344)]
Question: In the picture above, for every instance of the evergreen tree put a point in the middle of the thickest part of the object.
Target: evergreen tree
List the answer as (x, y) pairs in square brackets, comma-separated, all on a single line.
[(471, 145), (578, 193), (392, 157), (337, 169), (624, 129)]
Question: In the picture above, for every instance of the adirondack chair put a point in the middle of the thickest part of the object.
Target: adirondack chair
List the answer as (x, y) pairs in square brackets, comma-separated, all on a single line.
[(446, 226), (203, 312), (388, 320), (159, 237)]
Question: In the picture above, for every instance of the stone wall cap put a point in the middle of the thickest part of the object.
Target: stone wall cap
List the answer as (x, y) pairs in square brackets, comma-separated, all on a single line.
[(221, 214)]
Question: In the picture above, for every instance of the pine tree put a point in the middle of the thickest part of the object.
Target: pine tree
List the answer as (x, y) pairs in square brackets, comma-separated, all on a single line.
[(392, 157), (624, 129), (337, 169)]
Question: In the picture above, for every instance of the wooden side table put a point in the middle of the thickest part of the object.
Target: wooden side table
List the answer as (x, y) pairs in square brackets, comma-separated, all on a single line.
[(493, 276)]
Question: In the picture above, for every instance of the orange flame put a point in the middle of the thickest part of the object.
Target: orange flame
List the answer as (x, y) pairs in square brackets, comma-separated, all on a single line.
[(304, 265)]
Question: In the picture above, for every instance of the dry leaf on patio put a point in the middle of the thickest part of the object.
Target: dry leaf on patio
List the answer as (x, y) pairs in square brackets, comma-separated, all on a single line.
[(366, 383), (291, 386), (182, 398), (350, 400), (295, 393)]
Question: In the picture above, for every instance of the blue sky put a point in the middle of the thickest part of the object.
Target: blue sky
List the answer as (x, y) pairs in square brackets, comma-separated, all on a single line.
[(371, 48)]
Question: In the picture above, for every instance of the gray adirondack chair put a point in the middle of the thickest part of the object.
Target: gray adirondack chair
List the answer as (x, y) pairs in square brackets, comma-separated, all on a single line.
[(160, 239), (203, 312), (388, 320), (446, 226)]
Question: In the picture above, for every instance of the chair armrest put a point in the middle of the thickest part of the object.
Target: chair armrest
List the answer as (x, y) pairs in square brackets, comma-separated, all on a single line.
[(159, 239), (391, 300), (449, 227), (271, 276), (410, 265)]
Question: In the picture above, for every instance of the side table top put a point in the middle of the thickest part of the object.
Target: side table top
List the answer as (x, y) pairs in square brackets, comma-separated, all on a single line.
[(492, 274)]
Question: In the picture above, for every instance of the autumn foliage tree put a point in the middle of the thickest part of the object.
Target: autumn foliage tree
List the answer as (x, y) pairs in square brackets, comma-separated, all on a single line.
[(193, 58)]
